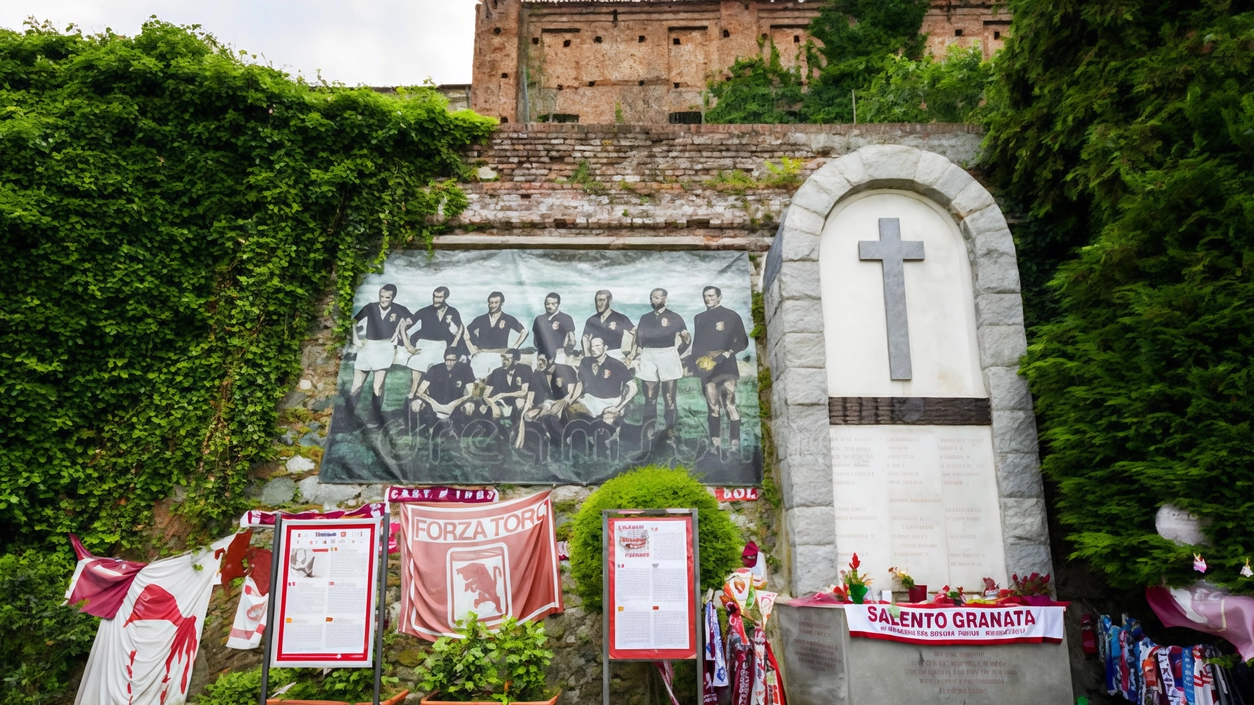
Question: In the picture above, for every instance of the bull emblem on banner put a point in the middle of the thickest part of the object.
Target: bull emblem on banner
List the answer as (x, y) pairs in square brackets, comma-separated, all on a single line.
[(479, 582)]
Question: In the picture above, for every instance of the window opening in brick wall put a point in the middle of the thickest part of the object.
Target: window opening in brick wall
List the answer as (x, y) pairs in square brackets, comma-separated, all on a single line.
[(677, 84), (505, 75), (641, 83), (566, 42), (726, 34), (675, 41), (558, 117), (596, 40), (591, 83), (957, 33), (686, 117), (796, 39), (496, 30), (996, 35), (535, 40), (641, 39)]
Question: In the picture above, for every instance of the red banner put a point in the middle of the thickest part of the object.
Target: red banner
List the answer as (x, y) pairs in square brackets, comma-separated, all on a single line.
[(492, 559), (969, 624), (736, 494), (401, 495)]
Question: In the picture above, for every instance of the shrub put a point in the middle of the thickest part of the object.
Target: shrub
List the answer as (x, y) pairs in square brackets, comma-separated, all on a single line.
[(505, 665), (42, 638), (652, 488)]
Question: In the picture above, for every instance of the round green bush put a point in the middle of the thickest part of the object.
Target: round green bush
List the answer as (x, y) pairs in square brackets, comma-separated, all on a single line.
[(652, 488)]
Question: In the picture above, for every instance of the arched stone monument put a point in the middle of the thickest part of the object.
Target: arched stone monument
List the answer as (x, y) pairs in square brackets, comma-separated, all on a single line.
[(893, 312), (903, 430)]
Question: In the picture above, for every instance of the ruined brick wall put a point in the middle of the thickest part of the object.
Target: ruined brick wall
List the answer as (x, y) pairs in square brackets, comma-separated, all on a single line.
[(615, 61), (965, 22), (660, 186)]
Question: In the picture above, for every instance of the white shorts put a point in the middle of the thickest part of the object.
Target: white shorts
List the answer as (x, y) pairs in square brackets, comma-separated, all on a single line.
[(596, 405), (375, 355), (484, 362), (430, 352), (659, 365)]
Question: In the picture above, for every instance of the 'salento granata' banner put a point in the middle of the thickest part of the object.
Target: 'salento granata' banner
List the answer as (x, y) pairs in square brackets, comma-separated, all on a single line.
[(1015, 624), (491, 559), (548, 366)]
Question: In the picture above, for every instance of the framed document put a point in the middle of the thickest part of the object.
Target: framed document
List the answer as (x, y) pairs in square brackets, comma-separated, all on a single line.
[(651, 594), (325, 594)]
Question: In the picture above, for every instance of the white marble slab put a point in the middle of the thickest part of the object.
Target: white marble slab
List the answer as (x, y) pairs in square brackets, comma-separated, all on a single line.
[(940, 302), (922, 498)]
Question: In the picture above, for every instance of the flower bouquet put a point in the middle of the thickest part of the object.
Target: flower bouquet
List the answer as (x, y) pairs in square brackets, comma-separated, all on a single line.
[(856, 586)]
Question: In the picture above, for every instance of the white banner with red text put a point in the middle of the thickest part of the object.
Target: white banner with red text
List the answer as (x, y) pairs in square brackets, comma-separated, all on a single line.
[(974, 625)]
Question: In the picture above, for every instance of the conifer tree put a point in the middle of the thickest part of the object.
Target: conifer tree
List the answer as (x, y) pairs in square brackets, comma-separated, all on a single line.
[(1126, 132)]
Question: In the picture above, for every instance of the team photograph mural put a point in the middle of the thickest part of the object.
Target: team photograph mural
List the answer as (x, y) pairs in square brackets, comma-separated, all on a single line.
[(548, 366)]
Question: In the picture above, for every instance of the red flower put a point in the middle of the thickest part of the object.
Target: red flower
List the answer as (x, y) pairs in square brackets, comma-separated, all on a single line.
[(855, 562)]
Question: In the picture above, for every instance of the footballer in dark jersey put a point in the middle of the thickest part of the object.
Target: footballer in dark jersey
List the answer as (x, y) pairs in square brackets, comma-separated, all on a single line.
[(554, 331), (376, 336), (604, 383), (661, 336), (431, 330), (489, 335), (612, 327), (509, 389), (719, 335), (444, 386)]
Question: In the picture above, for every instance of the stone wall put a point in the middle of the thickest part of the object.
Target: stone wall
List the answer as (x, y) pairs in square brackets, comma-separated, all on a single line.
[(666, 179), (661, 186), (607, 61)]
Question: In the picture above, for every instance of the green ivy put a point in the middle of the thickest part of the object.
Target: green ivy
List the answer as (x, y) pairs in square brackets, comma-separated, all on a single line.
[(652, 488), (1126, 132), (170, 215), (42, 640)]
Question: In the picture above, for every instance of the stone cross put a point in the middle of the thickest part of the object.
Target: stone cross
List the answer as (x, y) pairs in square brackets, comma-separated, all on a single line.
[(892, 252)]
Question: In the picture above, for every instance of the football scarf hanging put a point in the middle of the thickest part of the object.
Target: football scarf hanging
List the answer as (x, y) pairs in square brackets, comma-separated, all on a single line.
[(144, 654)]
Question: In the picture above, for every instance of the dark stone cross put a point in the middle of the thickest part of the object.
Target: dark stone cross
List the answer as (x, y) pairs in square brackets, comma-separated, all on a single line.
[(892, 252)]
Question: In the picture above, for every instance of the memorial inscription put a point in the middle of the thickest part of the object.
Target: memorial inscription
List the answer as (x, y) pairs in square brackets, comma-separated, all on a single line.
[(922, 497)]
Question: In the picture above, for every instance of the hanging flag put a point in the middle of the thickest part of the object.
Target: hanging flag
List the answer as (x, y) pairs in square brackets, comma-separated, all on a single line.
[(714, 647), (1207, 608), (144, 654), (494, 560), (99, 585), (250, 614), (256, 517)]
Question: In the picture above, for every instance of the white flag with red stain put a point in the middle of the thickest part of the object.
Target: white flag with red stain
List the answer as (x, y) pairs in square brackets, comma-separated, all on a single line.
[(144, 654)]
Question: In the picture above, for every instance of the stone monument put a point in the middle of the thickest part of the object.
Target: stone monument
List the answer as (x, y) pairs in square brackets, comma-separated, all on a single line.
[(904, 432)]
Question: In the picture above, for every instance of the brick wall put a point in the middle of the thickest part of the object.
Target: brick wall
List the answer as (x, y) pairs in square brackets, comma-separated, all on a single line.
[(602, 61), (658, 186)]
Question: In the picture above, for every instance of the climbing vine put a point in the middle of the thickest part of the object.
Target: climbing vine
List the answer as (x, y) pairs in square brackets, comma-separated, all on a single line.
[(170, 213)]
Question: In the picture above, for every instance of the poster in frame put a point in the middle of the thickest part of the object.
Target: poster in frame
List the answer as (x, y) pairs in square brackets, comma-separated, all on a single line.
[(325, 594)]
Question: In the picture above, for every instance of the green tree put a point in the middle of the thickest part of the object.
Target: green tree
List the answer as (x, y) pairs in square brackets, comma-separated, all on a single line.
[(757, 90), (1126, 132), (853, 38), (927, 90)]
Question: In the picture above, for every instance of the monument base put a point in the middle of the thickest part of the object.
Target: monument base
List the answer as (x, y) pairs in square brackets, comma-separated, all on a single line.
[(823, 665)]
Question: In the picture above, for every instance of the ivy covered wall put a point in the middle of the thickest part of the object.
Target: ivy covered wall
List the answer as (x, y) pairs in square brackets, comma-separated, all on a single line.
[(169, 213)]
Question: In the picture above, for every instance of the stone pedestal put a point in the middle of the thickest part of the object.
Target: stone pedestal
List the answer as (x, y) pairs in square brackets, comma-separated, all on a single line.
[(823, 665)]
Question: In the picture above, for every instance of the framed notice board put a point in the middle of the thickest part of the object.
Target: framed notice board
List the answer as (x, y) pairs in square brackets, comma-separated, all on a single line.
[(325, 594), (651, 579)]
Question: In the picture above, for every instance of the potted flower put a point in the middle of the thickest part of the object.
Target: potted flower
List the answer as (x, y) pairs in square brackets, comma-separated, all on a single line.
[(914, 593), (856, 585), (487, 666)]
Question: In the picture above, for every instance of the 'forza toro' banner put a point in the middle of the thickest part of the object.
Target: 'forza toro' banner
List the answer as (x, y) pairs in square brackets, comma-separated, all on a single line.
[(975, 625), (494, 560), (546, 366)]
